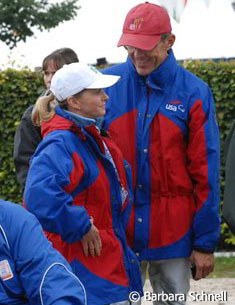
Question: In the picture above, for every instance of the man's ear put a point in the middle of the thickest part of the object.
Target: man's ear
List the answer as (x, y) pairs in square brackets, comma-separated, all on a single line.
[(170, 41)]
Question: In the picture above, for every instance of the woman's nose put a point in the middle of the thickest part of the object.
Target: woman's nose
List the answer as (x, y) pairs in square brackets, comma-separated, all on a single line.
[(105, 95)]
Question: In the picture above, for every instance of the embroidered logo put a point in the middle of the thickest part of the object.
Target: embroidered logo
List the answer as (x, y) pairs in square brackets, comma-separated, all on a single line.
[(136, 24), (181, 108), (94, 69), (171, 107), (5, 270), (175, 106)]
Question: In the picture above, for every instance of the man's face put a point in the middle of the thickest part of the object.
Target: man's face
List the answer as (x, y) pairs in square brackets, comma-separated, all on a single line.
[(146, 62)]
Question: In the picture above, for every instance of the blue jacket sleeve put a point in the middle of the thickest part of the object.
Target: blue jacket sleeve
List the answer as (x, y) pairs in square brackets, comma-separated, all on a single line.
[(204, 169), (45, 194), (45, 275)]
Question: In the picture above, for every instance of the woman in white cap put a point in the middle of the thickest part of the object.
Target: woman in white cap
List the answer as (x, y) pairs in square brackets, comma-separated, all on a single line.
[(78, 185)]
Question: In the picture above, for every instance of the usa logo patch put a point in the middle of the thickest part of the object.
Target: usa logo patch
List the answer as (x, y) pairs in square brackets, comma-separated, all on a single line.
[(175, 106)]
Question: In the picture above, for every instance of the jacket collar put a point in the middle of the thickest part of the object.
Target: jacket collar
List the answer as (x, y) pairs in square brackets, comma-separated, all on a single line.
[(61, 121), (160, 77), (82, 121), (64, 120)]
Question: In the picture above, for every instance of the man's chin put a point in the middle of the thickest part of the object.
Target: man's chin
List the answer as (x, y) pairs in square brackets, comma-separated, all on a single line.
[(143, 71)]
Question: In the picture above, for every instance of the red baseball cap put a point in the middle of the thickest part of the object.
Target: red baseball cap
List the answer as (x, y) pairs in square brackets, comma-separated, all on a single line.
[(144, 25)]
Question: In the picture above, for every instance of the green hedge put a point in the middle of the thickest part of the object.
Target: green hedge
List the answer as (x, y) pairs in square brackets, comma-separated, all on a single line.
[(19, 89)]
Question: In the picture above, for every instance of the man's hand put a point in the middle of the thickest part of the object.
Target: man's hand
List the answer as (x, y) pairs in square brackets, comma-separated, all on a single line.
[(204, 263), (91, 242)]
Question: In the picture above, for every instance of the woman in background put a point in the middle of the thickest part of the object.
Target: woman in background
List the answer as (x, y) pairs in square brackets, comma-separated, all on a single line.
[(28, 136)]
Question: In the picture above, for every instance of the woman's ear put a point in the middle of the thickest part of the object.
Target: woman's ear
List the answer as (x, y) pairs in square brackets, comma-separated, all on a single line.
[(73, 103)]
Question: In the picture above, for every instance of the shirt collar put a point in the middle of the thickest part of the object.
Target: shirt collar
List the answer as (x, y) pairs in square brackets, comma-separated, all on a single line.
[(84, 121)]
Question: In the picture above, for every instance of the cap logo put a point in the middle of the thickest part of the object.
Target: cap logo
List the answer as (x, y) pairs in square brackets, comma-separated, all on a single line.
[(136, 24), (93, 69)]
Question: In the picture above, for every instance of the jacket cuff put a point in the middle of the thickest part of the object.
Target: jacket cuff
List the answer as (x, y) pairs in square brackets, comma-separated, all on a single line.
[(202, 250)]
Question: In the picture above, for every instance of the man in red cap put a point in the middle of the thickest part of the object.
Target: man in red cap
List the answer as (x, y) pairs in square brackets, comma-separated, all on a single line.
[(163, 118)]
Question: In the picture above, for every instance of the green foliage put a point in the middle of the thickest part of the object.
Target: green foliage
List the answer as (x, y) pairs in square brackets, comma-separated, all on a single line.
[(19, 89), (227, 239), (224, 268), (18, 18)]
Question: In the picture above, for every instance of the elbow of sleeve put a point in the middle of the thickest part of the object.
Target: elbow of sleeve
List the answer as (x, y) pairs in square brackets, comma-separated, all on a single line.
[(70, 287), (76, 227)]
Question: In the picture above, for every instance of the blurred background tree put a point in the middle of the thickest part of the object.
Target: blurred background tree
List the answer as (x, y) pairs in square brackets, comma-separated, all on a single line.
[(20, 18)]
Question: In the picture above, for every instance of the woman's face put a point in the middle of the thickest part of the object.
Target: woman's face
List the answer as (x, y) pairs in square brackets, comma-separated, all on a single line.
[(90, 103), (49, 73)]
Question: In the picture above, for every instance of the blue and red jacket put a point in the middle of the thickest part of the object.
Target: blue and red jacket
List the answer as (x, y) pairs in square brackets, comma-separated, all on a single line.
[(165, 126), (31, 271), (71, 180)]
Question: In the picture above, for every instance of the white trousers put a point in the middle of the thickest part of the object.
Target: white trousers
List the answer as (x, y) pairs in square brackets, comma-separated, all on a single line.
[(171, 276)]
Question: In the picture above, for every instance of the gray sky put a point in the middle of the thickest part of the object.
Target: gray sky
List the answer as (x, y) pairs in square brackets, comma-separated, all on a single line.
[(201, 33)]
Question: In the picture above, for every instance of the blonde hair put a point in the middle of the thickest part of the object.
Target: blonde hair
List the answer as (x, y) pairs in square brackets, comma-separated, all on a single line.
[(44, 109)]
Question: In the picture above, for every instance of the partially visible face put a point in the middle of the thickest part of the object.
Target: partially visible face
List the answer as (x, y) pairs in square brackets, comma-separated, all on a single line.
[(91, 103), (49, 73), (146, 62)]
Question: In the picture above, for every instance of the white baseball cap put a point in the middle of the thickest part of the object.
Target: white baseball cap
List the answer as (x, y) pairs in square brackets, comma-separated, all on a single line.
[(75, 77)]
